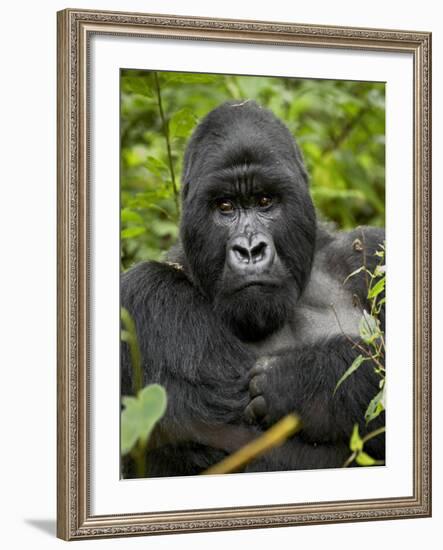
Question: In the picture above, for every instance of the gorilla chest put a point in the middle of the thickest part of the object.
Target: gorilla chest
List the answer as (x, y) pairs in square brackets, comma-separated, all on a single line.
[(324, 311)]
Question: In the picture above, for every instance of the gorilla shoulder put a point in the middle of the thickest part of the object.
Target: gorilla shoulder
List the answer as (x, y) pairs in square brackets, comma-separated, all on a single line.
[(148, 278), (332, 302)]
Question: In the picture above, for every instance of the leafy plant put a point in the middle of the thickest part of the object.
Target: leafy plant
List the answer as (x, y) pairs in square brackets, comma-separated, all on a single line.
[(141, 413), (371, 335)]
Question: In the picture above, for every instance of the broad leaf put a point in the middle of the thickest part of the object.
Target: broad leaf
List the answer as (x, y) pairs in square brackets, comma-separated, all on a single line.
[(355, 365), (363, 459), (128, 215), (131, 232), (375, 407), (356, 443), (138, 85), (140, 414), (181, 123), (368, 327), (377, 288)]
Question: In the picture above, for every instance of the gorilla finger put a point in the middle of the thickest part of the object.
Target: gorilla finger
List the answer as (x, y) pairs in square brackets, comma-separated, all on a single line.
[(259, 406), (262, 365), (249, 414), (257, 370), (256, 385)]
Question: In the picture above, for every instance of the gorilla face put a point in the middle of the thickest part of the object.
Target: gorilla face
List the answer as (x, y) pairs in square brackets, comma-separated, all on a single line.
[(248, 224)]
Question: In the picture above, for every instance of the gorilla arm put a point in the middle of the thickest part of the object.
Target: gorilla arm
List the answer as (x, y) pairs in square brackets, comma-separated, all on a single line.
[(183, 347), (303, 380)]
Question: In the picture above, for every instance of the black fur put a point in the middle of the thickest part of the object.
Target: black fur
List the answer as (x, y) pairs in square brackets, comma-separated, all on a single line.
[(234, 359)]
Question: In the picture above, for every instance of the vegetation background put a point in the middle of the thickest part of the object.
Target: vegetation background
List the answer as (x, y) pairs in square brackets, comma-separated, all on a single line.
[(339, 125)]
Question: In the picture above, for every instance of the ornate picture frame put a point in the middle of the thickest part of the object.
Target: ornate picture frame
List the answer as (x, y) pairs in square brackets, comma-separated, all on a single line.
[(76, 28)]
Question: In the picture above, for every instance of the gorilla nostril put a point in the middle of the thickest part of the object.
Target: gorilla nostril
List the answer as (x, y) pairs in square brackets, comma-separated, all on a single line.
[(241, 253), (254, 254), (258, 251)]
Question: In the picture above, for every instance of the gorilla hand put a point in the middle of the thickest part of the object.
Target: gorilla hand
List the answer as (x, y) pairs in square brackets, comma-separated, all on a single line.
[(264, 392)]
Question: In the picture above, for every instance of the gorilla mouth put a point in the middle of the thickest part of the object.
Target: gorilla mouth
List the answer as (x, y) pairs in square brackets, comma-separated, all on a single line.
[(265, 284)]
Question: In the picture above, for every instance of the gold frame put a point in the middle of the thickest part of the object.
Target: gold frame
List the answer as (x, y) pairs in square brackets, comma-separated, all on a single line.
[(75, 27)]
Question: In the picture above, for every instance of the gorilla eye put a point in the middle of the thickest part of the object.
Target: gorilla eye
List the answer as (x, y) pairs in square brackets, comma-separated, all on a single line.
[(225, 206), (264, 201)]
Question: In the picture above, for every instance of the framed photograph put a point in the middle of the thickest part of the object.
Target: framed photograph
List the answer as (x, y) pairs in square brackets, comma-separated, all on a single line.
[(243, 274)]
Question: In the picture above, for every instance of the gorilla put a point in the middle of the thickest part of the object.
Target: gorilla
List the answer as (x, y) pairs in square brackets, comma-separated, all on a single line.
[(253, 315)]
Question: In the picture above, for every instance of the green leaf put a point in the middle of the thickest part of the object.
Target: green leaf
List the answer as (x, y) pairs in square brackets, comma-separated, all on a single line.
[(164, 228), (156, 166), (375, 407), (356, 443), (181, 123), (369, 329), (138, 84), (377, 288), (355, 365), (363, 459), (331, 193), (131, 232), (128, 215), (140, 414), (188, 78)]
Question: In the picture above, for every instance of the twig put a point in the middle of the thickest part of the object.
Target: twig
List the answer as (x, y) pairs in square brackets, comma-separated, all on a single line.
[(364, 440), (168, 141), (355, 344), (373, 434), (273, 437), (129, 335), (350, 460)]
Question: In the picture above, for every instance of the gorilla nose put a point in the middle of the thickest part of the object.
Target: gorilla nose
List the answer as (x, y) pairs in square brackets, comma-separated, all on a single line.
[(252, 254)]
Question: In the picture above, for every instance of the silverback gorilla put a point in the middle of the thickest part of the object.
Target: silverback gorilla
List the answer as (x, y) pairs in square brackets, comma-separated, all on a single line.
[(251, 318)]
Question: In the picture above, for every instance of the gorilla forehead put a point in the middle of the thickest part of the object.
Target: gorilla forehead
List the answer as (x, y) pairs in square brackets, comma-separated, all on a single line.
[(238, 141), (245, 180)]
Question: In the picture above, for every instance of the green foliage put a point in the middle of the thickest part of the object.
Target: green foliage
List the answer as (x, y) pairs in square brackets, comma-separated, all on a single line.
[(356, 442), (369, 328), (339, 125), (140, 414), (358, 361), (129, 335), (356, 445), (371, 335)]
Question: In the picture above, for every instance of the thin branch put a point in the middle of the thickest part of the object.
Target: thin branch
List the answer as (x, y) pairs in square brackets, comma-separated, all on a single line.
[(355, 344), (168, 141), (364, 440), (273, 437), (350, 460), (373, 434)]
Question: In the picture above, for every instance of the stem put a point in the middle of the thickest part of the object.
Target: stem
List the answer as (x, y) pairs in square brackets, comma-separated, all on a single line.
[(168, 141), (368, 284), (350, 460), (364, 440), (138, 454), (353, 342), (273, 437), (373, 434), (129, 335)]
